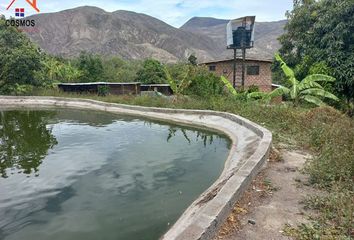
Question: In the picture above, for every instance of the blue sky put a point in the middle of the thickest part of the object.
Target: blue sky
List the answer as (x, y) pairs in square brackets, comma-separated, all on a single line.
[(174, 12)]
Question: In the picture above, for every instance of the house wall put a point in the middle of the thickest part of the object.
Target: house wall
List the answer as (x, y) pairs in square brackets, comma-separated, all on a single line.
[(124, 89), (263, 80)]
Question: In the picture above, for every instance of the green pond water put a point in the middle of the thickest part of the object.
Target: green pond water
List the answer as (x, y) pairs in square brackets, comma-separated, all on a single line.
[(70, 174)]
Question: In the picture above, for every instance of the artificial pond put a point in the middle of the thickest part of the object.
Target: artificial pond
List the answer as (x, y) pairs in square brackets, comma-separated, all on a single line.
[(72, 174)]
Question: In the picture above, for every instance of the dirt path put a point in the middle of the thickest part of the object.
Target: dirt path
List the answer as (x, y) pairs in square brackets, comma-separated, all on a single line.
[(271, 202)]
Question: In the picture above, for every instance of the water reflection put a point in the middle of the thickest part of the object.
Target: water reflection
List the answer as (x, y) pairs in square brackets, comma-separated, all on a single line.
[(91, 118), (24, 141), (207, 138), (26, 136), (122, 178), (173, 130), (172, 133)]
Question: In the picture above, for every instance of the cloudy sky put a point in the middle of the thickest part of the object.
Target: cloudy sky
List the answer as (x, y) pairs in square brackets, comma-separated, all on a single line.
[(174, 12)]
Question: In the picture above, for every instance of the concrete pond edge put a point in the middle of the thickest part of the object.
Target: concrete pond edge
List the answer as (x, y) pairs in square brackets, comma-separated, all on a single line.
[(250, 149)]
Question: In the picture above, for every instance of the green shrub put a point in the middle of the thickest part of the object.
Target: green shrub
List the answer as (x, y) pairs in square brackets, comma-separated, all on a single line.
[(253, 88), (23, 89), (119, 70), (91, 67), (151, 73), (193, 60), (204, 84), (103, 90)]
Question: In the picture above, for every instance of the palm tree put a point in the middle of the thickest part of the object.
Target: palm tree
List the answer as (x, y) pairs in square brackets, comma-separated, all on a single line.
[(308, 90)]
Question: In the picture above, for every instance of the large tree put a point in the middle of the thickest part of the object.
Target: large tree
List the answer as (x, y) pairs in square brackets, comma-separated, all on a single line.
[(25, 140), (152, 72), (119, 70), (91, 67), (319, 39), (19, 59)]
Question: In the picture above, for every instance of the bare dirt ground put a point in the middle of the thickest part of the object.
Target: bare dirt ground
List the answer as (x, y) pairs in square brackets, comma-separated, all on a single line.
[(271, 202)]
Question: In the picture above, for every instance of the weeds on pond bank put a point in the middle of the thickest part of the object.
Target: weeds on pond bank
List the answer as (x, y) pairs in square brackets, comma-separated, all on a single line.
[(326, 132), (332, 168)]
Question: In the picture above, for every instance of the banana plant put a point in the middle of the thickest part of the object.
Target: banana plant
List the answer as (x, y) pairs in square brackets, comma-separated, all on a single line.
[(52, 68), (69, 73), (178, 87), (308, 90), (228, 85), (267, 97)]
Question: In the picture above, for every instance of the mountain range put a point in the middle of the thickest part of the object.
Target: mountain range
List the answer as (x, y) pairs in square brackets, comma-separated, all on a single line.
[(133, 35)]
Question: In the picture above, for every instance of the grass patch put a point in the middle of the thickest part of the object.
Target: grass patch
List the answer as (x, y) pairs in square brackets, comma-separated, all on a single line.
[(326, 132)]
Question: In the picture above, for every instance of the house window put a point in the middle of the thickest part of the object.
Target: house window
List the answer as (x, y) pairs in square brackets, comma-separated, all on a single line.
[(212, 68), (253, 70)]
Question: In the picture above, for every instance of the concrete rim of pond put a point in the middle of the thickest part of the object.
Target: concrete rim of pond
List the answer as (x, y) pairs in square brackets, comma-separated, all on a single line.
[(249, 151)]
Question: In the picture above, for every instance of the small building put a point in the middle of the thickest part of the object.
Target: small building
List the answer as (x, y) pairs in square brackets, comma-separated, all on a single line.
[(132, 88), (257, 72)]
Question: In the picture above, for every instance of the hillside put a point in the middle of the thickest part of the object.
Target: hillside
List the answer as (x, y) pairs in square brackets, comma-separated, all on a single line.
[(132, 35), (126, 34)]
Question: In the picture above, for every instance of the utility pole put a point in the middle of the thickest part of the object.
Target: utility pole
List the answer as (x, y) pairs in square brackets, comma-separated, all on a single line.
[(235, 60), (243, 67)]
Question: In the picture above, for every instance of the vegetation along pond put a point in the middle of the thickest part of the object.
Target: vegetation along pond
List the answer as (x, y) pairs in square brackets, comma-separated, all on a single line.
[(71, 174)]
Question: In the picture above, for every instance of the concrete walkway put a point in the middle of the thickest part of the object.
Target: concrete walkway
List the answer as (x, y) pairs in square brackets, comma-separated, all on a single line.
[(271, 202)]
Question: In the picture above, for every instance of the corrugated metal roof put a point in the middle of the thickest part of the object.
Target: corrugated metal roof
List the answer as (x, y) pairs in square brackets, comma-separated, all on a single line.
[(98, 83), (155, 85), (231, 59)]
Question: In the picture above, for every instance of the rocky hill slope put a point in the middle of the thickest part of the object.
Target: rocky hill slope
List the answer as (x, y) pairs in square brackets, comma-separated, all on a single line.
[(132, 35)]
